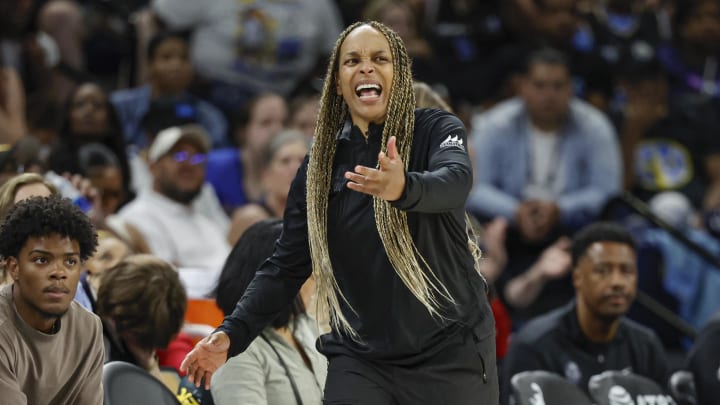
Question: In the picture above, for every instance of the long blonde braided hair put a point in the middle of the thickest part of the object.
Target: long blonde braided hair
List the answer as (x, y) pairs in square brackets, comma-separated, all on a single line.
[(391, 223)]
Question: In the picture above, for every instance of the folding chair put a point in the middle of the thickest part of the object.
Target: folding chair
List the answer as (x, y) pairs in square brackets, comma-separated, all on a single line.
[(126, 383), (625, 388), (545, 388)]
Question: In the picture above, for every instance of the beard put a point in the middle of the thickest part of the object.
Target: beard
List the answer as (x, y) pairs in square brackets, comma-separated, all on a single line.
[(171, 191)]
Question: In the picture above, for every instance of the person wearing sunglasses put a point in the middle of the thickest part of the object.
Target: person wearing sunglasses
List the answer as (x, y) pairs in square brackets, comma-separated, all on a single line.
[(175, 230)]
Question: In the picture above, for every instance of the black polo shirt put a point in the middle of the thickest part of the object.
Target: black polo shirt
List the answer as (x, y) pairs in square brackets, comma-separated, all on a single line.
[(393, 325), (704, 363), (554, 342)]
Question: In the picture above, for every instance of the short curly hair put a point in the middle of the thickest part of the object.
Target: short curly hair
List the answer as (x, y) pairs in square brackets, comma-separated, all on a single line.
[(43, 216)]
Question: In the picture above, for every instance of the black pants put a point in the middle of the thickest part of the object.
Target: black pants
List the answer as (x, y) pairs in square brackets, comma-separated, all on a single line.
[(463, 373)]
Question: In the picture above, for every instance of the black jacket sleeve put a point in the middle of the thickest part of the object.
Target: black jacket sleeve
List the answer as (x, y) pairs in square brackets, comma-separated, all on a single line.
[(279, 279), (446, 182)]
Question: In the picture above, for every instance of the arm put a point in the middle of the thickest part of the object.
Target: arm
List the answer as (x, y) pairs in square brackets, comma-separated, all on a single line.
[(443, 187), (446, 183), (240, 381), (10, 390), (12, 112), (91, 391), (554, 263), (604, 178), (274, 287)]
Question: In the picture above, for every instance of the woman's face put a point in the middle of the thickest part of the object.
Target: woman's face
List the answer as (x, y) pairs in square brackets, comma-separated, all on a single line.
[(267, 118), (283, 167), (31, 190), (170, 67), (109, 182), (88, 111), (110, 251), (365, 75)]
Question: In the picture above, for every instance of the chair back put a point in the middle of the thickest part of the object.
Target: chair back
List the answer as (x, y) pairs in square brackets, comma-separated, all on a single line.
[(625, 388), (126, 383), (545, 388)]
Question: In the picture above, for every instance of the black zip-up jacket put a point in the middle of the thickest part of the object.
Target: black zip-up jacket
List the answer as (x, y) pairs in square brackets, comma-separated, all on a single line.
[(393, 325)]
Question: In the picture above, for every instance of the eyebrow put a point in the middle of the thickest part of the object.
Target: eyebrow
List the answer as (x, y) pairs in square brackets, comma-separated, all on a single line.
[(356, 53), (45, 252)]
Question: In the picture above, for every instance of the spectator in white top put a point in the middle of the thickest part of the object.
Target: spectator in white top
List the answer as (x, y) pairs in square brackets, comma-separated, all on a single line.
[(174, 230)]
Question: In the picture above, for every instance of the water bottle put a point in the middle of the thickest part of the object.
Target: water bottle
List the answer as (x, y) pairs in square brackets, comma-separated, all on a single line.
[(68, 190)]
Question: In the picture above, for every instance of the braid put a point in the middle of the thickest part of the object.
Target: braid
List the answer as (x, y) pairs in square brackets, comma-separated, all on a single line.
[(391, 223)]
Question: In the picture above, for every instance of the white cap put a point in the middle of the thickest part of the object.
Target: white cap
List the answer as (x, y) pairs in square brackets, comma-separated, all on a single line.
[(672, 207), (167, 138)]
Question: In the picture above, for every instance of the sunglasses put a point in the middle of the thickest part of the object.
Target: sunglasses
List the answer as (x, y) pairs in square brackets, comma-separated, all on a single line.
[(193, 159)]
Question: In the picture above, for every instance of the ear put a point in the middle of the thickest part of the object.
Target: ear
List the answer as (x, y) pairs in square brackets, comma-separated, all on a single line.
[(11, 264), (576, 278), (154, 168), (338, 90)]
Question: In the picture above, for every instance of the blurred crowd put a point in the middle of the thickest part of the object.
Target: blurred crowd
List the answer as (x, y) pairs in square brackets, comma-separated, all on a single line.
[(177, 125)]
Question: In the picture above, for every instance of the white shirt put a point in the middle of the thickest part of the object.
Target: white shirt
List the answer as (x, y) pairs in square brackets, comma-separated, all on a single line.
[(180, 235), (543, 182)]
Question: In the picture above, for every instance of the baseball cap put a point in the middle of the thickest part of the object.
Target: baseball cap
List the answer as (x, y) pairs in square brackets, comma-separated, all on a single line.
[(167, 138)]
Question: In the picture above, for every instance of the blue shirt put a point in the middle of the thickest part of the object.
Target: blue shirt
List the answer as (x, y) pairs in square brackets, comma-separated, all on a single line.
[(225, 172), (588, 160), (133, 104)]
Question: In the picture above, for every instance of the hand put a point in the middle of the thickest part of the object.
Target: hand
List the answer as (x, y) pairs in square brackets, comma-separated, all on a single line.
[(207, 356), (494, 240), (555, 261), (525, 216), (547, 214), (90, 192), (387, 182)]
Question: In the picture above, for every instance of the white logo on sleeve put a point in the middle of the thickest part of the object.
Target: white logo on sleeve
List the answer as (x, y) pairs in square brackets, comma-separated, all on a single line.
[(451, 141)]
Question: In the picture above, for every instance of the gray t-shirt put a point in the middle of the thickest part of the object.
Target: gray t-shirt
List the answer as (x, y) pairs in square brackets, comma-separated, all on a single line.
[(41, 369)]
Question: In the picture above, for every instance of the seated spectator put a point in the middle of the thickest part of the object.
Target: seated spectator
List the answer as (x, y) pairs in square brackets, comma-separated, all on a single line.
[(111, 249), (281, 366), (141, 303), (89, 118), (16, 189), (12, 107), (236, 173), (668, 144), (243, 49), (692, 58), (21, 187), (304, 114), (400, 16), (282, 158), (102, 168), (171, 73), (591, 335), (547, 162), (704, 363), (161, 116), (52, 348), (173, 228)]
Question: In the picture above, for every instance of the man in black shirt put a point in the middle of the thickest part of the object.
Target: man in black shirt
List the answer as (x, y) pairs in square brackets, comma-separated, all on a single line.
[(704, 363), (590, 335), (384, 233)]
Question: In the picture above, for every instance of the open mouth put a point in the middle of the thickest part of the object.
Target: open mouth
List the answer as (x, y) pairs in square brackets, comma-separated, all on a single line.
[(368, 91)]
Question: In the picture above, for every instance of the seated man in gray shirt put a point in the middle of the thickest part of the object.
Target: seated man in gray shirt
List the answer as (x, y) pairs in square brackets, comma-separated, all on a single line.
[(590, 335), (51, 349)]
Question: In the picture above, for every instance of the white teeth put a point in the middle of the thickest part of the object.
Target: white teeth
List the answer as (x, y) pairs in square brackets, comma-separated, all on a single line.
[(367, 86)]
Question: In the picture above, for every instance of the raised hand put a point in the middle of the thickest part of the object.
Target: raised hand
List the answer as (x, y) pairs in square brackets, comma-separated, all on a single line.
[(387, 181), (207, 356)]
